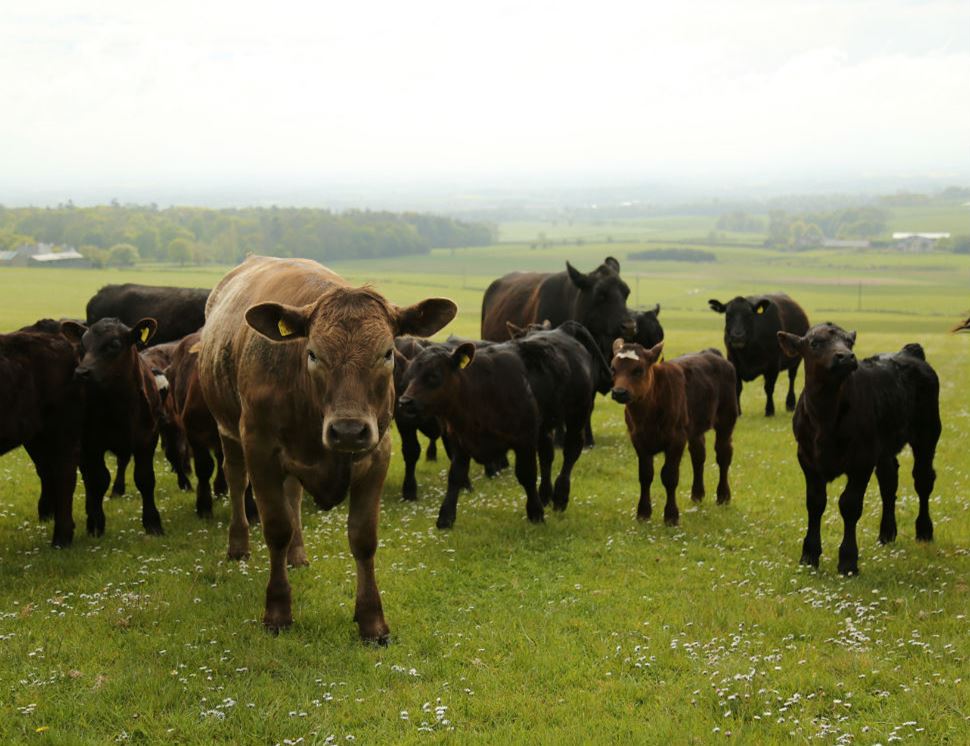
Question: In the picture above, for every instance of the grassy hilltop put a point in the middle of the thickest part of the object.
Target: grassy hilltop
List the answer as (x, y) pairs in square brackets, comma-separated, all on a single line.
[(590, 628)]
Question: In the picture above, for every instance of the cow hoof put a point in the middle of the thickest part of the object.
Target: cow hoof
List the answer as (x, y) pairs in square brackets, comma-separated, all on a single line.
[(698, 497), (644, 516), (848, 568), (205, 513), (185, 485), (924, 530), (297, 557), (117, 491), (672, 519), (445, 521), (96, 526), (887, 536), (376, 634), (560, 506), (275, 624), (153, 527), (62, 540), (724, 499), (809, 559), (409, 495), (237, 554)]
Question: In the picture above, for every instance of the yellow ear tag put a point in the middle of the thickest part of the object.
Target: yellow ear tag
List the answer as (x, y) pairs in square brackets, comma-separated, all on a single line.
[(284, 328), (465, 360), (144, 334), (761, 309)]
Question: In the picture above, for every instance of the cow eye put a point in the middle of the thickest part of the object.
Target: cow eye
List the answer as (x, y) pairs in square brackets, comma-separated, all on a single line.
[(814, 344), (389, 357), (311, 356), (114, 344)]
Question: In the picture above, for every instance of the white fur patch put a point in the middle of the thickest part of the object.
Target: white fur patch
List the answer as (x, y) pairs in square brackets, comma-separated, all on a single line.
[(161, 381), (628, 355)]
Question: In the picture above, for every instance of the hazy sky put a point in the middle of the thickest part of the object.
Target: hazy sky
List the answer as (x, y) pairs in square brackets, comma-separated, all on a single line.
[(132, 94)]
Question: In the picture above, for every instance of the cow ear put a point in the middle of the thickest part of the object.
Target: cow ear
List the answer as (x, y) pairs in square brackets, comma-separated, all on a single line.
[(514, 331), (654, 353), (142, 332), (425, 318), (791, 344), (612, 264), (463, 355), (716, 305), (279, 322), (73, 331), (761, 306), (578, 278), (851, 339), (656, 310), (618, 344)]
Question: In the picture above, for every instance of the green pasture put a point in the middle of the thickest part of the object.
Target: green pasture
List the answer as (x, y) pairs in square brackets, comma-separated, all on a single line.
[(589, 628)]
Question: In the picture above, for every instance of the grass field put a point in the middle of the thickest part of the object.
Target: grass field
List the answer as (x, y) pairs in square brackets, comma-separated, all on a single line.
[(589, 628)]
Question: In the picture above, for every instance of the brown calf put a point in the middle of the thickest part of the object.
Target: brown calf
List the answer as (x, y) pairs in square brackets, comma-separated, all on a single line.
[(297, 369), (669, 406)]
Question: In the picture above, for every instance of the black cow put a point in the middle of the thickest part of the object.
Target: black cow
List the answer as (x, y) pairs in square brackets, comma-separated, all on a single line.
[(596, 300), (854, 417), (649, 332), (121, 413), (42, 408), (408, 426), (177, 311), (508, 396), (751, 326)]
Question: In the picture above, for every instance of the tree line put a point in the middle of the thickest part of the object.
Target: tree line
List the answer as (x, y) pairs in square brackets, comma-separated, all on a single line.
[(124, 234)]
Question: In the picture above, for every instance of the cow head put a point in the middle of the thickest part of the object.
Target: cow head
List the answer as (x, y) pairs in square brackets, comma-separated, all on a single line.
[(346, 341), (432, 376), (740, 318), (109, 347), (649, 330), (601, 303), (632, 370), (826, 350)]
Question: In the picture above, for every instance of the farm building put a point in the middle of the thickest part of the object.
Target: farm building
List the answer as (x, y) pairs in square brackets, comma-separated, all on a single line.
[(69, 258), (917, 242)]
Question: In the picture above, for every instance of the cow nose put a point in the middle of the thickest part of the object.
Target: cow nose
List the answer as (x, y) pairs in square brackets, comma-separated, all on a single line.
[(845, 358), (408, 405), (349, 434), (621, 395), (82, 374)]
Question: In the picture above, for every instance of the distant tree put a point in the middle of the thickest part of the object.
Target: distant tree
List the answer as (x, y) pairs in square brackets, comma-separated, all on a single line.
[(122, 255), (97, 256), (179, 250)]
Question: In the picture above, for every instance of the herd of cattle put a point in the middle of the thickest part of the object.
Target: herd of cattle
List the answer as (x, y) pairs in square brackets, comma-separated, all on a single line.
[(285, 379)]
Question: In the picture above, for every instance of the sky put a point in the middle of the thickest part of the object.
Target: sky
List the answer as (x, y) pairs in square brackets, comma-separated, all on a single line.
[(129, 99)]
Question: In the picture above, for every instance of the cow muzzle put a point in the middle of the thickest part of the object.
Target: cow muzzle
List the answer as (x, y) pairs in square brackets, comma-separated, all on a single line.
[(621, 395), (349, 434), (82, 374), (410, 408), (628, 330)]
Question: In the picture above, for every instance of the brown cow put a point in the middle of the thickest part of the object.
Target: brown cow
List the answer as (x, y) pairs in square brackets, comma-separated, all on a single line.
[(297, 369), (670, 405), (964, 327)]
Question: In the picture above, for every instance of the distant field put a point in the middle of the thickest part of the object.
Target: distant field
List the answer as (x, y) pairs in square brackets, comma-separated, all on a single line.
[(589, 629)]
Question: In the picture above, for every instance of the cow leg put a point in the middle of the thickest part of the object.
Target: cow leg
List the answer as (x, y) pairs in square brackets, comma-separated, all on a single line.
[(118, 488), (64, 476), (276, 513), (924, 477), (738, 385), (850, 506), (145, 482), (56, 465), (296, 553), (431, 452), (249, 502), (723, 452), (41, 454), (97, 479), (525, 472), (546, 451), (204, 466), (457, 478), (589, 440), (571, 449), (219, 486), (771, 376), (887, 474), (815, 499), (411, 450), (645, 466), (698, 455), (790, 400), (670, 476), (235, 466), (362, 519), (494, 468)]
